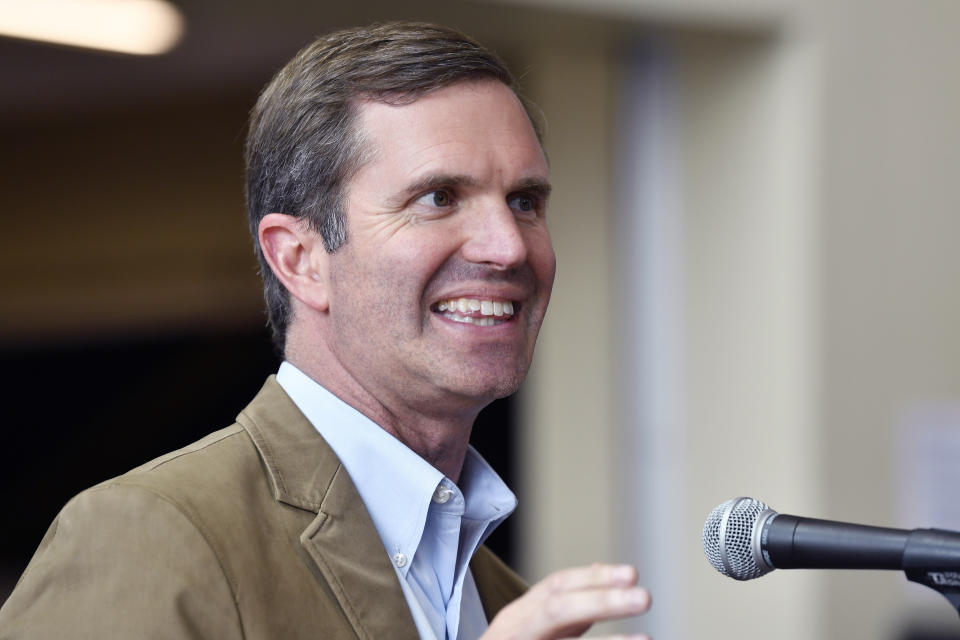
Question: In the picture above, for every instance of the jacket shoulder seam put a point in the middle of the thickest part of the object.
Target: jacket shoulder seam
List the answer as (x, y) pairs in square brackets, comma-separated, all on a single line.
[(229, 432)]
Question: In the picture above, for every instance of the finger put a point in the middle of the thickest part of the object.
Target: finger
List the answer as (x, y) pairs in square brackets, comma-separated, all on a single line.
[(568, 602), (576, 610), (592, 577)]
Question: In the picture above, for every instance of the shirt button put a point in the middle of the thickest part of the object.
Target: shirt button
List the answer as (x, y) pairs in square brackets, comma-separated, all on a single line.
[(400, 560), (442, 495)]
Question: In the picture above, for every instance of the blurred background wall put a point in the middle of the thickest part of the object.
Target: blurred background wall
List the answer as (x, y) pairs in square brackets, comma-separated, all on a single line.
[(755, 211)]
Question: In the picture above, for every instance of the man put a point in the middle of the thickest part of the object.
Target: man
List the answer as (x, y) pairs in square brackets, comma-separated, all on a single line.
[(397, 193)]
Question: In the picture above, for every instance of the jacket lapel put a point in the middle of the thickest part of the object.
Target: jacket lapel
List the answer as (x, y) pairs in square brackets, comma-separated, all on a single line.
[(496, 583), (341, 543)]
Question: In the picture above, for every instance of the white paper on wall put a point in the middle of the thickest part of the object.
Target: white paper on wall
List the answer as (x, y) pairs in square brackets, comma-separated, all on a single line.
[(929, 455)]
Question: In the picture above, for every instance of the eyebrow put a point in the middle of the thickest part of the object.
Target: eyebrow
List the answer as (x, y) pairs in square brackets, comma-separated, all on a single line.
[(444, 180), (437, 181), (537, 185)]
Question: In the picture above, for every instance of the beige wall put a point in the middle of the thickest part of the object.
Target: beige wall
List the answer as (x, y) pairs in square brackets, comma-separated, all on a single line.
[(820, 301), (891, 284), (749, 109), (749, 340), (568, 437)]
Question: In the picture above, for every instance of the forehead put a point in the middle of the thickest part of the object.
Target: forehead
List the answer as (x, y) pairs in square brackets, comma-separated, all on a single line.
[(474, 127)]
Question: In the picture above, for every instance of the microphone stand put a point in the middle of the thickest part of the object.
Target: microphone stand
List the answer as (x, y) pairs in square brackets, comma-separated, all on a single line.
[(931, 558)]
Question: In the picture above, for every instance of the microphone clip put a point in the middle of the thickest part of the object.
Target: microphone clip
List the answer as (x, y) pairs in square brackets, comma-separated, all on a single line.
[(930, 558)]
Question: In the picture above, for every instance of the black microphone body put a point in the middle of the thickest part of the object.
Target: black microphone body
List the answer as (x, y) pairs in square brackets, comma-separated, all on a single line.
[(743, 538), (792, 542)]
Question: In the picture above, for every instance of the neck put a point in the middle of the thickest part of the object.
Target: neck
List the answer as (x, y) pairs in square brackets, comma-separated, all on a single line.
[(439, 442), (438, 434)]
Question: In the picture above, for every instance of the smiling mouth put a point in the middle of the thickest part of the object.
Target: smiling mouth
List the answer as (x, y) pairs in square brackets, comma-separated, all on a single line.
[(476, 311)]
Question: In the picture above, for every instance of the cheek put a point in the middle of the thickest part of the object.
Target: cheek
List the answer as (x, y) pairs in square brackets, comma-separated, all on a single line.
[(397, 272), (411, 260), (542, 260)]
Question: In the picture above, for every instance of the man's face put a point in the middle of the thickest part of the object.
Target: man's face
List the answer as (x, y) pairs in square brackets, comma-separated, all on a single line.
[(437, 296)]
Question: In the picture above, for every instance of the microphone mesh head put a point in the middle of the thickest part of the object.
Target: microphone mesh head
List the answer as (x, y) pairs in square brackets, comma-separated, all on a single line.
[(728, 538)]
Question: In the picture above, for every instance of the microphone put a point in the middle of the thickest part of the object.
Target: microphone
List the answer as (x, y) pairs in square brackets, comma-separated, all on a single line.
[(744, 539)]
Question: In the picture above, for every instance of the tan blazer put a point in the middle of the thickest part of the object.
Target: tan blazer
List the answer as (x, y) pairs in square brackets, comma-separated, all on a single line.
[(254, 532)]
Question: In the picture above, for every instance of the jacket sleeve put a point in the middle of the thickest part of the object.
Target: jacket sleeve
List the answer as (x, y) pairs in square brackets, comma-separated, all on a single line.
[(122, 562)]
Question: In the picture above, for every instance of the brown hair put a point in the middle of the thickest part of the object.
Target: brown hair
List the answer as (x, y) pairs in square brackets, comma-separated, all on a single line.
[(303, 147)]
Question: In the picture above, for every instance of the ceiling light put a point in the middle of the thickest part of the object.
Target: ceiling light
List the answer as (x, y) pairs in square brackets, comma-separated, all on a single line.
[(142, 27)]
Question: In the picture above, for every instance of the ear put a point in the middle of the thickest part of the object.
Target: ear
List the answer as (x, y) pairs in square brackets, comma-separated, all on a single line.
[(297, 257)]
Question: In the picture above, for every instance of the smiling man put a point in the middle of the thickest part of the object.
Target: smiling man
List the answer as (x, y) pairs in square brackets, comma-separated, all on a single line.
[(397, 193), (431, 307)]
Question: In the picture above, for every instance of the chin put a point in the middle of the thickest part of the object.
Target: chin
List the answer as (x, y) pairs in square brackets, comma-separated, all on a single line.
[(480, 382), (486, 391)]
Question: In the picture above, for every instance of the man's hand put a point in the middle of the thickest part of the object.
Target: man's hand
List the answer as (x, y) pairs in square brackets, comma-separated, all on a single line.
[(566, 603)]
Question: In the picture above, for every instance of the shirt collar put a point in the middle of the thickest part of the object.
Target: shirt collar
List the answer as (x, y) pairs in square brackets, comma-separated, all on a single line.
[(395, 483)]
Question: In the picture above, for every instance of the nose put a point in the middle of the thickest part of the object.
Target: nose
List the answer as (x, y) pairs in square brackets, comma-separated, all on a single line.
[(494, 237)]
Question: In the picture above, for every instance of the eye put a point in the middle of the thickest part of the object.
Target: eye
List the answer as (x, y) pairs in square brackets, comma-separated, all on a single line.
[(438, 198), (523, 202)]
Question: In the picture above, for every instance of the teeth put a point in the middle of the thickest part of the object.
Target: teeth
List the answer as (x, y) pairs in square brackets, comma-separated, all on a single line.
[(470, 305), (488, 309), (480, 322)]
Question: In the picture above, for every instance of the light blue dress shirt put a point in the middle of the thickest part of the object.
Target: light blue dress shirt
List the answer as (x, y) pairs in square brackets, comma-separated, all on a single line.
[(429, 525)]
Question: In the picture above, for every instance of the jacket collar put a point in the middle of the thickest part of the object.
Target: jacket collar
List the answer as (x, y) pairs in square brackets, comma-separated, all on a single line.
[(297, 460), (341, 541)]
